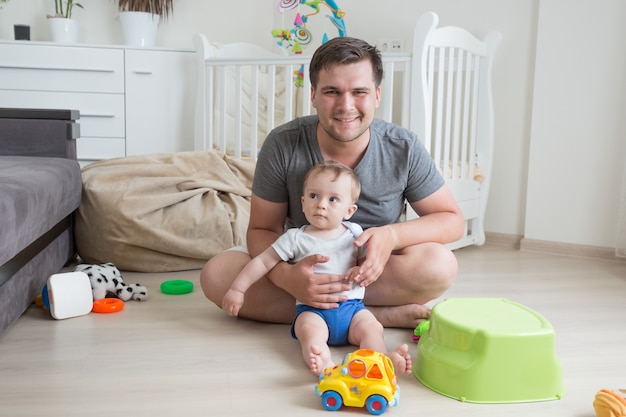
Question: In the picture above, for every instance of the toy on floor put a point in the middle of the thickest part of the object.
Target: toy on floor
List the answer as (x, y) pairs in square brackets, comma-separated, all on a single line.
[(107, 305), (420, 330), (70, 294), (609, 403), (365, 378), (67, 295), (107, 279), (176, 287)]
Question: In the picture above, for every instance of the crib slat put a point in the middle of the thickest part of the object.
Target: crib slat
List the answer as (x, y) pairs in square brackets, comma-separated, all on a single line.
[(208, 133), (466, 155), (304, 109), (254, 117), (221, 132), (271, 98), (430, 103), (387, 91), (474, 109), (406, 102), (449, 87), (289, 87), (440, 93), (238, 116), (455, 134)]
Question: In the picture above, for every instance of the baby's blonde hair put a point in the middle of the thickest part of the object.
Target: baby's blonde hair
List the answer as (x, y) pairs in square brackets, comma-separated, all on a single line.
[(338, 169)]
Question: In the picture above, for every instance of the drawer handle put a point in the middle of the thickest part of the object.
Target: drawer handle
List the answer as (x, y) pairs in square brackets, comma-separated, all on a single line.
[(110, 116), (56, 69), (143, 72)]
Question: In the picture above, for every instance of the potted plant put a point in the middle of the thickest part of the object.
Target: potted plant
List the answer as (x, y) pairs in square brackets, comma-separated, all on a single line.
[(140, 19), (62, 27), (163, 8), (67, 14)]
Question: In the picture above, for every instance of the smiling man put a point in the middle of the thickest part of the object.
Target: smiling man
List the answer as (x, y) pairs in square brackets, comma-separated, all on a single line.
[(409, 258)]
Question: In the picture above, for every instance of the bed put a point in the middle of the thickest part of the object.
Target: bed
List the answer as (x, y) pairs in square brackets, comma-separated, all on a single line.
[(441, 90)]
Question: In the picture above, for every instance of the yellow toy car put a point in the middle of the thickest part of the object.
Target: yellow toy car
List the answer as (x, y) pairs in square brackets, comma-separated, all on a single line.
[(365, 378)]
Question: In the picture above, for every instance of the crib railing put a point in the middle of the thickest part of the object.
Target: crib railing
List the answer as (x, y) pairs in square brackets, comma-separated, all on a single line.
[(243, 99), (453, 113), (248, 99)]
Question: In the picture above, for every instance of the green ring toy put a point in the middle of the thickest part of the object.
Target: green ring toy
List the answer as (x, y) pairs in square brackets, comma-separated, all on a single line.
[(176, 287)]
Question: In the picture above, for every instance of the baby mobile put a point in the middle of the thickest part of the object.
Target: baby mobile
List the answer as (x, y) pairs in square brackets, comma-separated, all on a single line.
[(299, 37)]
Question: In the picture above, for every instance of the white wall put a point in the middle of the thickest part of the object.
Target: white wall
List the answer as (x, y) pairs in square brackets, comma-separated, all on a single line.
[(531, 192), (578, 107)]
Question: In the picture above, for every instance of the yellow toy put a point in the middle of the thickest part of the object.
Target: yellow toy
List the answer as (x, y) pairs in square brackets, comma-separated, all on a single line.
[(364, 379)]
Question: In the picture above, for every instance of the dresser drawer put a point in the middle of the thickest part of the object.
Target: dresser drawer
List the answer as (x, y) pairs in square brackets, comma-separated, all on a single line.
[(101, 115), (61, 68), (95, 149)]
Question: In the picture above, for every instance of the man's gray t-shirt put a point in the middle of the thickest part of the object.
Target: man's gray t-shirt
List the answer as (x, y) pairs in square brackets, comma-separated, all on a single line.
[(395, 167)]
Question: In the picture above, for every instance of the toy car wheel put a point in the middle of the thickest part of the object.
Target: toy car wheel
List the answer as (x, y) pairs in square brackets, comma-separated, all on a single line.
[(376, 404), (331, 401)]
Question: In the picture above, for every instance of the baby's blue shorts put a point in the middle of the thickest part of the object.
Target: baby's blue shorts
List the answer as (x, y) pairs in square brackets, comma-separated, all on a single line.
[(337, 319)]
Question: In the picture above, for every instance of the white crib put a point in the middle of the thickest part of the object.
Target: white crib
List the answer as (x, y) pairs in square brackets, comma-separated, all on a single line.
[(441, 90)]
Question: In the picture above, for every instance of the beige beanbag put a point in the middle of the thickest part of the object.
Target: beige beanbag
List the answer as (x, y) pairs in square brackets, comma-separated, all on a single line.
[(163, 212)]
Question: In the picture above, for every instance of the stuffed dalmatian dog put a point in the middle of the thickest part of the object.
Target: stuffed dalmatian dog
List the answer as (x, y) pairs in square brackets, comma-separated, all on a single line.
[(106, 278)]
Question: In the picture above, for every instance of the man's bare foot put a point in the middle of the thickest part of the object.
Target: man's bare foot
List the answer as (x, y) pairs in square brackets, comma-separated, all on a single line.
[(319, 359), (401, 359), (406, 316)]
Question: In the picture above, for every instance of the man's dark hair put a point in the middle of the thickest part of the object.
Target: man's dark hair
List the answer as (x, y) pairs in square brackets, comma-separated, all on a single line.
[(343, 51)]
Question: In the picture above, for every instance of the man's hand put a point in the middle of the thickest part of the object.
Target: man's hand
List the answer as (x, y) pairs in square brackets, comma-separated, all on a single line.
[(380, 243), (307, 287)]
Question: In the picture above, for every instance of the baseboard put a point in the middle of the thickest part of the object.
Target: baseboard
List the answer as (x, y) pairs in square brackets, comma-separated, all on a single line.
[(503, 239), (553, 248), (569, 249)]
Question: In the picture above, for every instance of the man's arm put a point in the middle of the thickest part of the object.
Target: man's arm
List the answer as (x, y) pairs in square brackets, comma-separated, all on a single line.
[(266, 224), (267, 221), (440, 221)]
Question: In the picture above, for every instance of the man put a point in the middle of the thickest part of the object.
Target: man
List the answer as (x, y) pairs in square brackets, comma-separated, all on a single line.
[(409, 258)]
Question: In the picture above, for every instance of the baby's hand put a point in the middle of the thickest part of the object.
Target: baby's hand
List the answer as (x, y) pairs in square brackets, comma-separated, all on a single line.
[(354, 275), (232, 302)]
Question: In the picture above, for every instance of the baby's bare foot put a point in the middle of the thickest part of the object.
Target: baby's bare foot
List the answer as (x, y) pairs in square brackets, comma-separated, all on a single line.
[(319, 359), (401, 359)]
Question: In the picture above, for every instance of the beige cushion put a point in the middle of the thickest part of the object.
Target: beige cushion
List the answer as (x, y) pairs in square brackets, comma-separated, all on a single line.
[(163, 212)]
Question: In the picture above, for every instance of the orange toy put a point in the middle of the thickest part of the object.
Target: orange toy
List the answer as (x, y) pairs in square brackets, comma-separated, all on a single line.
[(610, 404), (107, 305)]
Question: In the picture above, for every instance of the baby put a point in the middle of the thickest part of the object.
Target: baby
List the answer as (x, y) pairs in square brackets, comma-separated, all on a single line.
[(330, 193)]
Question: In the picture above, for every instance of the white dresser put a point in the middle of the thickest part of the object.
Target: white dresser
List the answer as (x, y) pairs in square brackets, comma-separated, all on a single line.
[(131, 101)]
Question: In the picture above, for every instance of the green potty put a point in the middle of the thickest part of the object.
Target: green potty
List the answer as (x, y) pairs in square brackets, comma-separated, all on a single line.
[(489, 350)]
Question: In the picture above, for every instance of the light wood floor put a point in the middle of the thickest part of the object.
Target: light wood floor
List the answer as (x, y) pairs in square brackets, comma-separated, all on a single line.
[(182, 356)]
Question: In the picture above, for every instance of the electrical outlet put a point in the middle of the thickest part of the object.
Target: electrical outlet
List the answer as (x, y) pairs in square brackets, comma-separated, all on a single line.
[(390, 45)]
